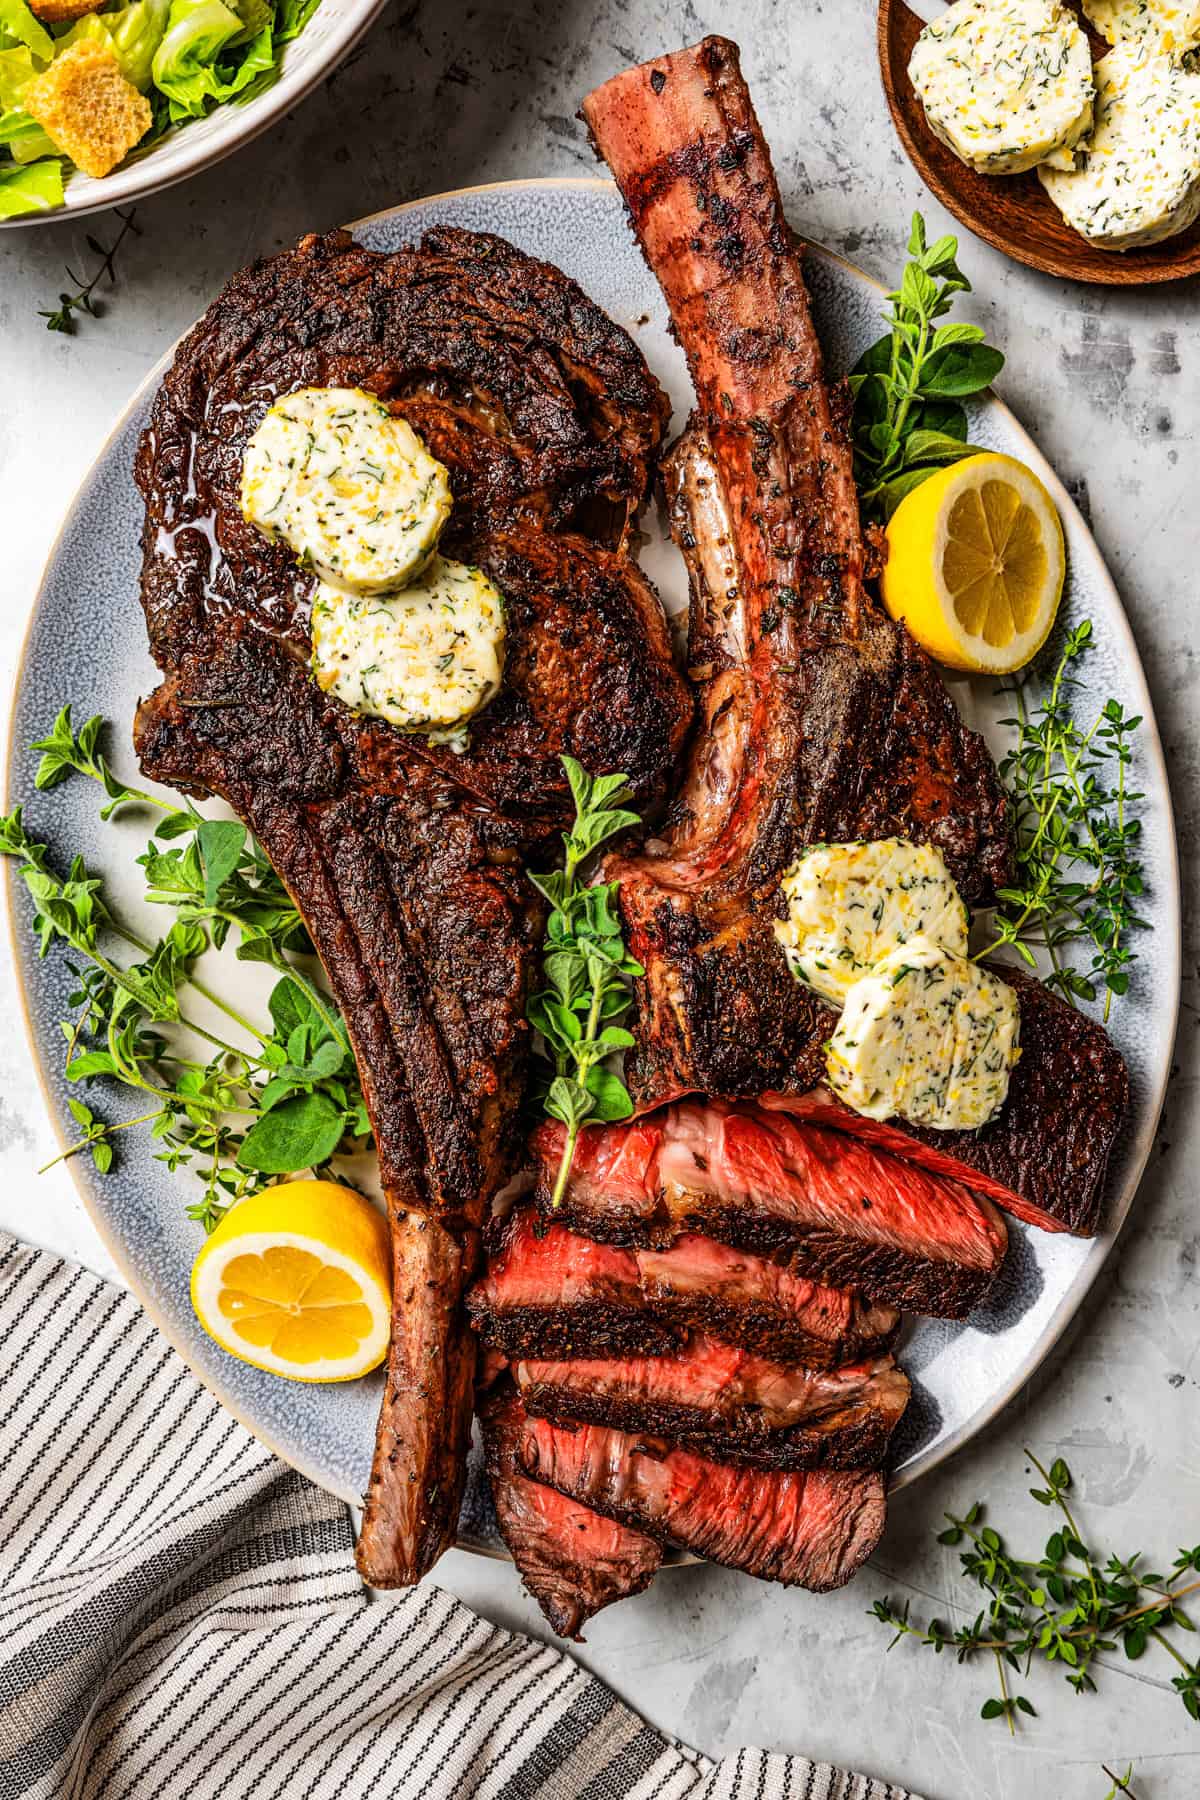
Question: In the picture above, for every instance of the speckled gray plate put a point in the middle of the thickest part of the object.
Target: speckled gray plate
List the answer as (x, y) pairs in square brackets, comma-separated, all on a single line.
[(86, 644)]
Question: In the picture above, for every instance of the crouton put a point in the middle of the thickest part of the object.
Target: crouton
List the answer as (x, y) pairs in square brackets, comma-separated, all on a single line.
[(55, 12), (84, 103)]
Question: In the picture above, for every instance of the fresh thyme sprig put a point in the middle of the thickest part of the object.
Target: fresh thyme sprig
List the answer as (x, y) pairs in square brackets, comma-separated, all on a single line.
[(1079, 875), (285, 1100), (587, 970), (63, 318), (1066, 1606), (908, 419), (1120, 1783)]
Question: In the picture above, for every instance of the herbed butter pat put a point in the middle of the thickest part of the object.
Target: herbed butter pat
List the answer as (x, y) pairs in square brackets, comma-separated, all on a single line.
[(850, 904), (1138, 179), (1156, 24), (928, 1036), (426, 658), (353, 490), (1005, 83)]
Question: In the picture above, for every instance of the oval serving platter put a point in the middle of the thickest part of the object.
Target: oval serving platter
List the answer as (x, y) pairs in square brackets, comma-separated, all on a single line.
[(86, 644), (1012, 212)]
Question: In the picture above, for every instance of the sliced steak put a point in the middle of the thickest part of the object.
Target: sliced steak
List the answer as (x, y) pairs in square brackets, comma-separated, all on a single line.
[(813, 1529), (550, 1292), (819, 718), (730, 1404), (840, 1211), (404, 859), (572, 1560)]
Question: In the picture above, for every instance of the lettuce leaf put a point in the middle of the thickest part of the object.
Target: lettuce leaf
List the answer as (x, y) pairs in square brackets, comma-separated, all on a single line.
[(291, 16), (17, 70), (19, 26), (38, 187), (188, 66), (133, 34), (24, 137)]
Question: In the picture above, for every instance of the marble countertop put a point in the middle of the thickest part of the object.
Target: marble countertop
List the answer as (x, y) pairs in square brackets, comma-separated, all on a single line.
[(444, 95)]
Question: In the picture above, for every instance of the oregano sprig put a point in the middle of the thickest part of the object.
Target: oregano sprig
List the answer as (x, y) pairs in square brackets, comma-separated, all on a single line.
[(237, 1114), (587, 970), (1066, 1606), (908, 388)]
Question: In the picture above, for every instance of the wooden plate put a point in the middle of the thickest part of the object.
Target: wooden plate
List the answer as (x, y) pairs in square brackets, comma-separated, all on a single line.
[(1012, 211)]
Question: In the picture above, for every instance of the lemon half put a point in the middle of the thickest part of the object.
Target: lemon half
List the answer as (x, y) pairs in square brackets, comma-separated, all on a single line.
[(297, 1281), (976, 563)]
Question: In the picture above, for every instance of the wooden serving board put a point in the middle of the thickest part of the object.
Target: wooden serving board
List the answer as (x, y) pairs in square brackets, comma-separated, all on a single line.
[(1013, 212)]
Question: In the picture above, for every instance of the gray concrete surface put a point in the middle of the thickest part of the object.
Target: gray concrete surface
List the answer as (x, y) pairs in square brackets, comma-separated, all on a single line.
[(445, 93)]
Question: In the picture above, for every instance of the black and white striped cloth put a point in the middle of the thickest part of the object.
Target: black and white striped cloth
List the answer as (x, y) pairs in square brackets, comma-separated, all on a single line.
[(180, 1617)]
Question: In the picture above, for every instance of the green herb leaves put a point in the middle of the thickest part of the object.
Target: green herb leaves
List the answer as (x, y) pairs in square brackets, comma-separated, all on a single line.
[(1066, 1606), (62, 318), (280, 1100), (587, 970), (1079, 875), (908, 388)]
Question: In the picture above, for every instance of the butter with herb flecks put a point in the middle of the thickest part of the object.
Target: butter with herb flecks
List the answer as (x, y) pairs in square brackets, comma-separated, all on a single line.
[(850, 904), (927, 1036), (1137, 180), (1006, 84)]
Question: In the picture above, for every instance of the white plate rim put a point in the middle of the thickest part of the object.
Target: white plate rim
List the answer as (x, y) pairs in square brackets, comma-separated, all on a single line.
[(1168, 946)]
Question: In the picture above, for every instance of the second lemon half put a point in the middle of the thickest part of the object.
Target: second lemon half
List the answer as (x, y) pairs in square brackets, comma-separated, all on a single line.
[(976, 563)]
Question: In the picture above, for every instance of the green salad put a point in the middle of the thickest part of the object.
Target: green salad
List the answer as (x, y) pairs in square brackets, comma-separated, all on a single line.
[(182, 57)]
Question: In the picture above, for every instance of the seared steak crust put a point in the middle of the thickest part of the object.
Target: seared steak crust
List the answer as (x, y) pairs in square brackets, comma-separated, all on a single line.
[(405, 860), (830, 1206), (813, 1529), (729, 1404), (572, 1560), (549, 1292), (819, 718)]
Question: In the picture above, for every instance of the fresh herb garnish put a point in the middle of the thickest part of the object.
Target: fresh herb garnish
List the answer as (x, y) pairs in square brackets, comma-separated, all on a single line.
[(285, 1099), (908, 419), (587, 970), (1120, 1783), (63, 319), (1079, 875), (1066, 1606)]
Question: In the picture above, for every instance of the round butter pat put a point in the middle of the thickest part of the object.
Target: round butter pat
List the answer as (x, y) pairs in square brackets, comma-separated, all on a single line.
[(851, 904), (353, 490), (1005, 83), (926, 1036), (1137, 181), (426, 658)]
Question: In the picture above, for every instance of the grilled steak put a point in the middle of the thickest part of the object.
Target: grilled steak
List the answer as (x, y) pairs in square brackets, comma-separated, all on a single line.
[(840, 1211), (404, 858), (573, 1561), (550, 1292), (1043, 1158), (819, 718), (813, 1529), (732, 1405)]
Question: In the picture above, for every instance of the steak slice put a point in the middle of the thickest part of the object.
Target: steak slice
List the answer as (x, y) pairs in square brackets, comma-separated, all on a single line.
[(819, 718), (810, 1529), (730, 1404), (572, 1560), (549, 1292), (839, 1211), (404, 859)]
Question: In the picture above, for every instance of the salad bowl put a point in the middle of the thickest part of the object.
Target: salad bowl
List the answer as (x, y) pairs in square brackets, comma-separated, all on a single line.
[(287, 72)]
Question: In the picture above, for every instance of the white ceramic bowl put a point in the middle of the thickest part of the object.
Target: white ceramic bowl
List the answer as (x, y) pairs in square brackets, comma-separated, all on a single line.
[(330, 34)]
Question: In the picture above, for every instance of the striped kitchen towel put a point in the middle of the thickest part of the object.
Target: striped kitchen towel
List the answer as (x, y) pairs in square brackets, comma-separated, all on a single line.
[(180, 1617)]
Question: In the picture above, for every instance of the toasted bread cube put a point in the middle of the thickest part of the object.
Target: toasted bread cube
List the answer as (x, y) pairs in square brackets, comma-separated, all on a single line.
[(84, 103), (57, 12)]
